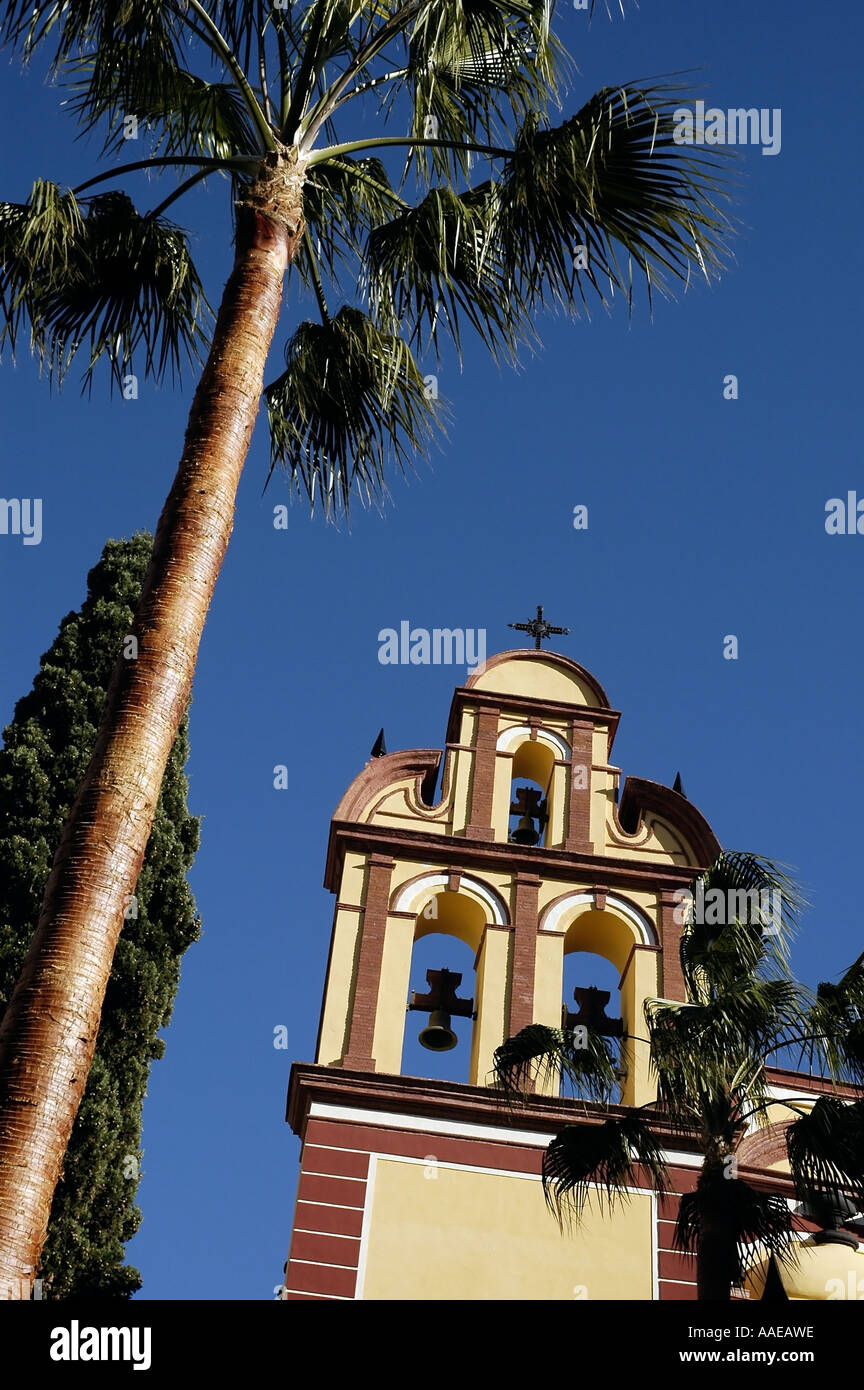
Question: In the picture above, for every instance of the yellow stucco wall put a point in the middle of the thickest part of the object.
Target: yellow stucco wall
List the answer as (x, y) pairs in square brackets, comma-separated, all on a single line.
[(443, 1232), (536, 679)]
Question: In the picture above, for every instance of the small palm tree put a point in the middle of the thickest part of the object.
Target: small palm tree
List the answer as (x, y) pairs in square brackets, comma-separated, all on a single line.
[(710, 1055), (495, 214)]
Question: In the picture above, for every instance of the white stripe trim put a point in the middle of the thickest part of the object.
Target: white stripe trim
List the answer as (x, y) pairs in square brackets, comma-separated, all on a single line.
[(337, 1235), (518, 734), (313, 1173), (339, 1148), (457, 1129), (507, 1173), (340, 1206), (642, 924), (364, 1233), (333, 1297), (327, 1264)]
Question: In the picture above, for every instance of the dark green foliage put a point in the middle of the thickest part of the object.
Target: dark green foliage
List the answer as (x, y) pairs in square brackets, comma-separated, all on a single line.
[(605, 1155), (756, 1221), (329, 410), (47, 747), (538, 1054), (97, 273)]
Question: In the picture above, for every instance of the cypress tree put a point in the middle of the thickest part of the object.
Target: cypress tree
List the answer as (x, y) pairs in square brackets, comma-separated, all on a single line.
[(46, 751)]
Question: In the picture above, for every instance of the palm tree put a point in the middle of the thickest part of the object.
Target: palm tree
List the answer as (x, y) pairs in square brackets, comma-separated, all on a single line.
[(710, 1054), (480, 225)]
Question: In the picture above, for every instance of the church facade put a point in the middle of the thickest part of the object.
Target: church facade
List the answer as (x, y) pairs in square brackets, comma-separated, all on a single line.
[(417, 1188)]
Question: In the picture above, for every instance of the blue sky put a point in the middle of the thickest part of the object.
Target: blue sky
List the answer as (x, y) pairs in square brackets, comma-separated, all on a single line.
[(706, 518)]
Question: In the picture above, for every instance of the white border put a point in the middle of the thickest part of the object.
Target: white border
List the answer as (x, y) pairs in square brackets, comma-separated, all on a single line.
[(406, 900), (522, 732), (632, 914), (495, 1172), (457, 1129)]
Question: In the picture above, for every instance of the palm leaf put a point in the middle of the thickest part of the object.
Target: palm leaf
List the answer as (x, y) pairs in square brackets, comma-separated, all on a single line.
[(439, 260), (351, 397), (185, 113), (717, 1049), (122, 33), (604, 1159), (476, 69), (105, 277), (538, 1054), (343, 200), (835, 1027), (612, 180), (743, 913), (826, 1150), (759, 1222)]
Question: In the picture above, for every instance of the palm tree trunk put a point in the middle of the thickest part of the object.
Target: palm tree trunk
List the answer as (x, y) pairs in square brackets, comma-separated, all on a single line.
[(714, 1266), (717, 1248), (49, 1031)]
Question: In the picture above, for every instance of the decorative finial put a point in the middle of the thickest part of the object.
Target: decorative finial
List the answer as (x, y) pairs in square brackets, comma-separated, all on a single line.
[(379, 747), (540, 630)]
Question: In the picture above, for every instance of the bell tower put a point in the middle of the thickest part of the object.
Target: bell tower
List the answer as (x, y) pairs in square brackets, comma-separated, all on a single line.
[(532, 850)]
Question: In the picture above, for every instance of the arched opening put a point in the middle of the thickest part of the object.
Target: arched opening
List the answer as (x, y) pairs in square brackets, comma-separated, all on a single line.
[(447, 935), (597, 945), (531, 793)]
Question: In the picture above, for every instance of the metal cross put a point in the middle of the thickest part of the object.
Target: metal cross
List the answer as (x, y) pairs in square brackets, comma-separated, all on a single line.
[(540, 630)]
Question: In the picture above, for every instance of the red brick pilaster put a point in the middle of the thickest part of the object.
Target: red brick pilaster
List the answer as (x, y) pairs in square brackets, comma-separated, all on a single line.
[(579, 797), (526, 893), (365, 1001), (672, 983), (479, 825)]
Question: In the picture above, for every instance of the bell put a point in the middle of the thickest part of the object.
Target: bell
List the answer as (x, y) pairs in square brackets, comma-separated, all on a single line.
[(525, 834), (438, 1036)]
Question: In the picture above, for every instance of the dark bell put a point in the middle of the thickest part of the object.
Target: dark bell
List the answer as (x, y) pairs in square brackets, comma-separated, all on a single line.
[(438, 1036), (525, 834)]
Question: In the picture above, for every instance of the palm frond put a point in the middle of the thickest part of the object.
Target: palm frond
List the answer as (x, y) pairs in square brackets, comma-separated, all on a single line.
[(351, 397), (603, 1160), (538, 1054), (760, 1223), (718, 1049), (117, 44), (97, 273), (826, 1150), (473, 71), (835, 1027), (183, 113), (440, 259), (343, 200), (743, 912), (611, 180)]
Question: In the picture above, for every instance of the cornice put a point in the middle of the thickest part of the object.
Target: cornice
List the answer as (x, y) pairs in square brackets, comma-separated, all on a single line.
[(528, 705), (500, 855)]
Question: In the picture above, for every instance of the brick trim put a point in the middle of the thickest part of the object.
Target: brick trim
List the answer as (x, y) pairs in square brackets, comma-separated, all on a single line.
[(672, 982), (578, 834), (364, 1001), (526, 892), (479, 825)]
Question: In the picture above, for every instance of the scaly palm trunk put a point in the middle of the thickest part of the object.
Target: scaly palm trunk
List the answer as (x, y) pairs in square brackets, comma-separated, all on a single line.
[(50, 1028)]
